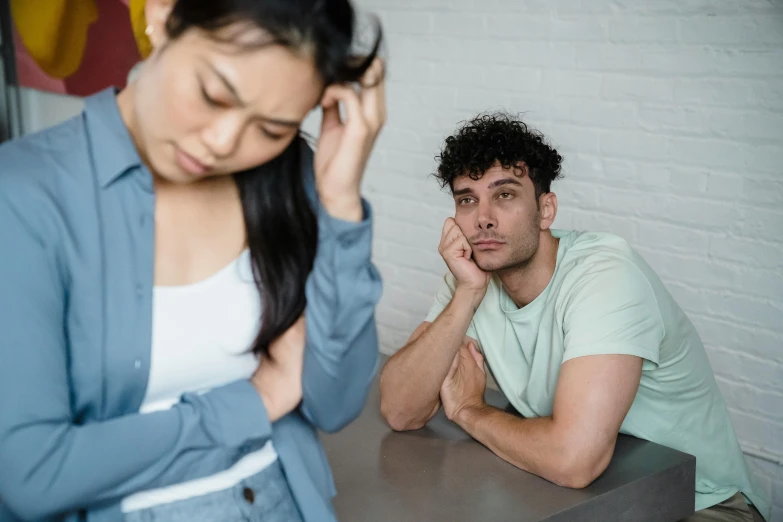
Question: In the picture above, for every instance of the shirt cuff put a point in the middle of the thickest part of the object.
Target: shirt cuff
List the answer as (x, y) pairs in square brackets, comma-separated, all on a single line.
[(650, 357), (233, 414), (347, 233)]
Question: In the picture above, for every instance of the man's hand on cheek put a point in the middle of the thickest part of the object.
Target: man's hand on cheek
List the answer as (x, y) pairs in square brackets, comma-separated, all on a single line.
[(455, 250), (464, 386)]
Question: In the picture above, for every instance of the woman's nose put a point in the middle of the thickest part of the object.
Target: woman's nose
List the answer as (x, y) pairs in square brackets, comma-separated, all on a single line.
[(223, 136)]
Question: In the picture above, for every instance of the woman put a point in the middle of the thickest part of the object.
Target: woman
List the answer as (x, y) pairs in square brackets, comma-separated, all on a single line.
[(157, 253)]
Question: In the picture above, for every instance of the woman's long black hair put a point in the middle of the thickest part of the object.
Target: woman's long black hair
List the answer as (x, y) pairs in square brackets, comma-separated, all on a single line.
[(281, 226)]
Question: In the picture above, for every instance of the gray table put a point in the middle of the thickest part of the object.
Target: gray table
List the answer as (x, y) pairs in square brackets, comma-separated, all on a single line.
[(439, 473)]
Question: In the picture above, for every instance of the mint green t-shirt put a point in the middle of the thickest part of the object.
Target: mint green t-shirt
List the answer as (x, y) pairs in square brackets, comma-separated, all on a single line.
[(604, 299)]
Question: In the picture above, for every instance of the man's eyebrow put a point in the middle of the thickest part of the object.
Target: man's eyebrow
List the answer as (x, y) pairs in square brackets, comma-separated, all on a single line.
[(235, 94), (462, 192), (494, 184), (504, 181)]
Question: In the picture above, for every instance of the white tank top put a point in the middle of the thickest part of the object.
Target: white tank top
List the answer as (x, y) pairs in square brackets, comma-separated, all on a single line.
[(200, 338)]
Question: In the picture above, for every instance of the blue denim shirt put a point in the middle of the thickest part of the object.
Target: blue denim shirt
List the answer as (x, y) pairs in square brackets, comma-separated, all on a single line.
[(76, 279)]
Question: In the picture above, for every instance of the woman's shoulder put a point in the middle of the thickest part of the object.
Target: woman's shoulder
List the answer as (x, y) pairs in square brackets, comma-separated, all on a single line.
[(41, 172), (45, 159)]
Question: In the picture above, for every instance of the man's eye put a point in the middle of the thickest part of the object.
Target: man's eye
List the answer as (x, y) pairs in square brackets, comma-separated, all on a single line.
[(505, 195), (465, 201)]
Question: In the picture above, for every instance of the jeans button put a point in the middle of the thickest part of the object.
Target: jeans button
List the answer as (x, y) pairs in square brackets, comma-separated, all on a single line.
[(249, 495)]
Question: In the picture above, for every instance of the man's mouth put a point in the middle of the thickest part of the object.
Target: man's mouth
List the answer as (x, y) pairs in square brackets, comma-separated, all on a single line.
[(488, 244)]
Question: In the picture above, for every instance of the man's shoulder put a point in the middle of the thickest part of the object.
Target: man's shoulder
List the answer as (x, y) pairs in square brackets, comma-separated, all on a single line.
[(590, 251), (585, 243), (598, 261)]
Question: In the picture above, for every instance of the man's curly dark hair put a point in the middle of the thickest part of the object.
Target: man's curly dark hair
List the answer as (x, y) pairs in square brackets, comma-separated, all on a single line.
[(498, 137)]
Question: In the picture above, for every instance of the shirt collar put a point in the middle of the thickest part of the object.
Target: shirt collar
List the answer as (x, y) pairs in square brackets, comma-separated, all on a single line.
[(113, 149)]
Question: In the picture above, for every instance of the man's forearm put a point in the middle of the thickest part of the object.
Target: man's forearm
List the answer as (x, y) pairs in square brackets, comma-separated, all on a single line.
[(411, 379), (536, 445)]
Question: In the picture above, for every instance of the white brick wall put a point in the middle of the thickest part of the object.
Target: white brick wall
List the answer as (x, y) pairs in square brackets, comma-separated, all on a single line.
[(670, 116)]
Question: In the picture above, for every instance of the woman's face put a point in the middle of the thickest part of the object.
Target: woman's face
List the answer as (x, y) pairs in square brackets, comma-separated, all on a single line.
[(203, 107)]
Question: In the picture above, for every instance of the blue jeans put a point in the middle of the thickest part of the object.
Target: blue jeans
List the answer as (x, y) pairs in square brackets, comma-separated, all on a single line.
[(264, 497)]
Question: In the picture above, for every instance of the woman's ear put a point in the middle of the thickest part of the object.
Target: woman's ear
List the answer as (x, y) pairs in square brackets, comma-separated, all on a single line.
[(156, 13), (548, 205)]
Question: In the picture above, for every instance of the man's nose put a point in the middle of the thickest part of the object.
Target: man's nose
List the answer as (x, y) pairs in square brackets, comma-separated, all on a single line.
[(486, 216)]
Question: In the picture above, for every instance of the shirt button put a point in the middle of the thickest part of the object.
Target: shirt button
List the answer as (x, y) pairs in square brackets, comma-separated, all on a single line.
[(137, 363), (142, 220), (249, 495), (139, 290)]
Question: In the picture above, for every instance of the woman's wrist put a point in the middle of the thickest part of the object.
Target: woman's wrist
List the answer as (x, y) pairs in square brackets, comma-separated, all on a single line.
[(344, 207), (268, 397)]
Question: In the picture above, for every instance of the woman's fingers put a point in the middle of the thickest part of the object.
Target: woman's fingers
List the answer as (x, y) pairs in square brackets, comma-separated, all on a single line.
[(355, 123), (331, 116), (373, 95), (365, 110), (290, 342)]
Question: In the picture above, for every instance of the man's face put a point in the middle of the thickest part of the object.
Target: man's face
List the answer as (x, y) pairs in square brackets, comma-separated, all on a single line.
[(499, 216)]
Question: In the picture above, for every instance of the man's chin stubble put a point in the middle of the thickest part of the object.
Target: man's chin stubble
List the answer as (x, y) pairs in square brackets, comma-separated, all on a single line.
[(490, 266), (498, 266)]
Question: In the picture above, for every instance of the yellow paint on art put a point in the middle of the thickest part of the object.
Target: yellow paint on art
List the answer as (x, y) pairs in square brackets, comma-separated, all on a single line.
[(54, 32), (139, 22)]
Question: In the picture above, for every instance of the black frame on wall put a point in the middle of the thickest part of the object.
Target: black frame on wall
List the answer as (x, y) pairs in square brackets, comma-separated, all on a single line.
[(10, 101)]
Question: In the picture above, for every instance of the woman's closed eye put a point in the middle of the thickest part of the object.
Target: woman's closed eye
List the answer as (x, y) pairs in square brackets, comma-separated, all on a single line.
[(271, 134), (211, 100)]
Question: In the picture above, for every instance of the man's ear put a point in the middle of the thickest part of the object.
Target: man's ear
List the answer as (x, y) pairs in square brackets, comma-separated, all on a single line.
[(548, 205)]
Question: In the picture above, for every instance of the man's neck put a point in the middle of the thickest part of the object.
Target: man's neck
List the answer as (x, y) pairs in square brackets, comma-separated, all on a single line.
[(524, 283)]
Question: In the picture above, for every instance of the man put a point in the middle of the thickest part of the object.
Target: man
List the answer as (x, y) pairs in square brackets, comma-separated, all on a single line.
[(577, 330)]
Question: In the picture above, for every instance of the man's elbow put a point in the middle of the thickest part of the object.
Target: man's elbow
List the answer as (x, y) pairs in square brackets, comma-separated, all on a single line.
[(576, 479), (398, 417), (400, 420), (580, 471)]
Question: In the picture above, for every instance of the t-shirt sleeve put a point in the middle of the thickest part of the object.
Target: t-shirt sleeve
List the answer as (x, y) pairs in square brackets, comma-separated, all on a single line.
[(612, 309), (442, 299)]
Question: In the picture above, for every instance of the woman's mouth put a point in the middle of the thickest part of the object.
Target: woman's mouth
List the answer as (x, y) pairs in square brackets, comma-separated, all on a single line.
[(190, 164)]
